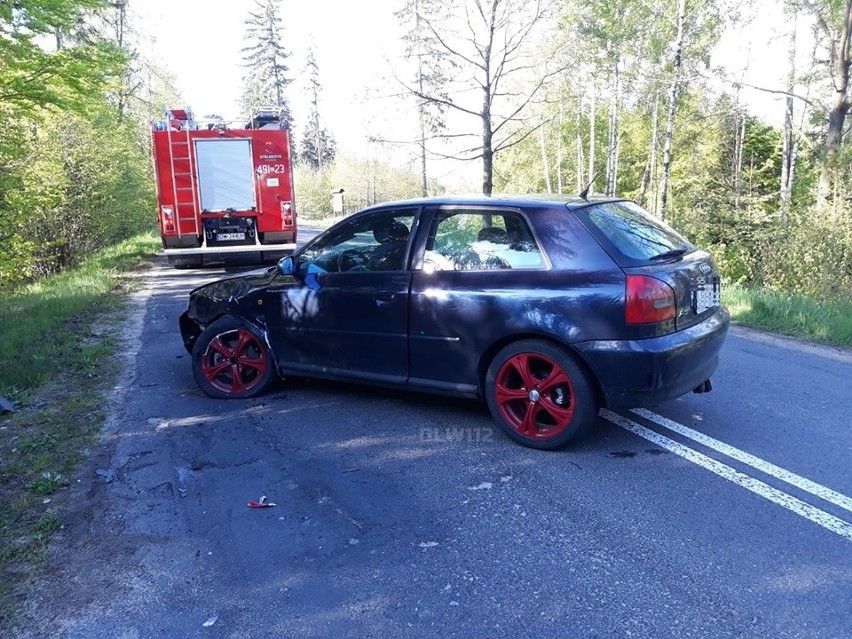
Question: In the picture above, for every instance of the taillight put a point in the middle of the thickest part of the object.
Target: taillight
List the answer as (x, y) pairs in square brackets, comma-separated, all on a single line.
[(168, 218), (287, 214), (649, 300)]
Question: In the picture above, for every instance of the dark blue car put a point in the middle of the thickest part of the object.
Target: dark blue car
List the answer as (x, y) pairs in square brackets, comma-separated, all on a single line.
[(546, 309)]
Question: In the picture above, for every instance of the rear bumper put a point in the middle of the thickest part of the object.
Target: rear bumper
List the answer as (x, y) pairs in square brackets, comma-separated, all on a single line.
[(230, 250), (649, 371)]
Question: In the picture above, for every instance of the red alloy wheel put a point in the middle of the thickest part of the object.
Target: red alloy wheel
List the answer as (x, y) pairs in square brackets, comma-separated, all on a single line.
[(535, 396), (235, 362)]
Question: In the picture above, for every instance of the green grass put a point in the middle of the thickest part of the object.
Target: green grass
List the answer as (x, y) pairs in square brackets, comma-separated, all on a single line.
[(794, 315), (42, 321), (56, 361)]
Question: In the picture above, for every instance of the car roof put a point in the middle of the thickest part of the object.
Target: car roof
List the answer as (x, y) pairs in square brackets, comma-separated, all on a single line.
[(534, 201)]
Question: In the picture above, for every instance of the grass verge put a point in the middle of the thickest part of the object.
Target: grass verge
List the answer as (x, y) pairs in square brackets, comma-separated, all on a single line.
[(794, 315), (56, 363)]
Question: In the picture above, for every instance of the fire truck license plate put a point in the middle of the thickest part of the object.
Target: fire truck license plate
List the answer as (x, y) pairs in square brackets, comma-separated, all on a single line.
[(706, 295), (227, 237)]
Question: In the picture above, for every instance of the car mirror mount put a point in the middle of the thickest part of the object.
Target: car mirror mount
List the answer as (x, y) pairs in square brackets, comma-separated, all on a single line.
[(287, 265)]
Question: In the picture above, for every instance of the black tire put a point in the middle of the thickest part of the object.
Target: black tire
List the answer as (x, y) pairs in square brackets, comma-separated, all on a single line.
[(540, 395), (185, 262), (231, 360)]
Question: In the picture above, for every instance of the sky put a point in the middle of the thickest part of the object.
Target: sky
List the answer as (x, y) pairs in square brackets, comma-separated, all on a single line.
[(200, 42)]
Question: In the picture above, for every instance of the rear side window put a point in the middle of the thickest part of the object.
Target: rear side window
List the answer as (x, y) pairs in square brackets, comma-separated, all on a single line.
[(630, 234), (481, 240)]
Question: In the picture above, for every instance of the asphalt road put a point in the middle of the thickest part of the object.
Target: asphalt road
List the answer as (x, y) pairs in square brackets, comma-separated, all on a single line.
[(404, 515)]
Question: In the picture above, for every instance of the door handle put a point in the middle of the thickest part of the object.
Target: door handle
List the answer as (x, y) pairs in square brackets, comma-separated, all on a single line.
[(383, 301)]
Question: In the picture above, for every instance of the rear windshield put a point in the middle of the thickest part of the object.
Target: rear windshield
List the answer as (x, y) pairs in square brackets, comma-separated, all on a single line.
[(630, 234)]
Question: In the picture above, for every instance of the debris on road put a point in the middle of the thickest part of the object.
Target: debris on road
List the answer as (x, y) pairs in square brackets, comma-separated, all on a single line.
[(210, 622), (428, 544), (263, 502), (107, 474), (486, 485), (6, 406)]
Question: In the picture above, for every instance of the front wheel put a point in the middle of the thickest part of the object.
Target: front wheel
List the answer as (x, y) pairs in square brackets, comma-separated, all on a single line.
[(230, 359), (539, 395)]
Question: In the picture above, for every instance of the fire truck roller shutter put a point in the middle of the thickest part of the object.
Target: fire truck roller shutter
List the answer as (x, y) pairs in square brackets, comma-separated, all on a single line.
[(225, 175)]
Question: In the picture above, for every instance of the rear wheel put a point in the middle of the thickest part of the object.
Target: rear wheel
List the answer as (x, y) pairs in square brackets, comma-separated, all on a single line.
[(187, 262), (539, 395), (230, 359)]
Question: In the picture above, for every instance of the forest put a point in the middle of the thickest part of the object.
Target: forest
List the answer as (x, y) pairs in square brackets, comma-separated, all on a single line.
[(546, 96)]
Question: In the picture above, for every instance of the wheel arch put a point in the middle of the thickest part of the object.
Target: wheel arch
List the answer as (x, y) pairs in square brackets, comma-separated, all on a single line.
[(495, 347), (191, 328)]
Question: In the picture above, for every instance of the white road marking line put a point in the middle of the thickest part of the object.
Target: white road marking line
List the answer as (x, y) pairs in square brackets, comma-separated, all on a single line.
[(793, 479), (804, 509)]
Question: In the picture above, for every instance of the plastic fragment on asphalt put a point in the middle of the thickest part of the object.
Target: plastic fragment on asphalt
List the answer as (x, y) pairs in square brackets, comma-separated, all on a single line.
[(210, 622), (428, 544), (486, 485), (108, 475), (263, 502), (6, 406)]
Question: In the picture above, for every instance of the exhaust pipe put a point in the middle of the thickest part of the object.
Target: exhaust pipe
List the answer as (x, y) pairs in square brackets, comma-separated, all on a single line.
[(703, 387)]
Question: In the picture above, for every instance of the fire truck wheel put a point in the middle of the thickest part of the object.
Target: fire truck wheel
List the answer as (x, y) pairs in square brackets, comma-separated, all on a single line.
[(230, 359), (182, 263)]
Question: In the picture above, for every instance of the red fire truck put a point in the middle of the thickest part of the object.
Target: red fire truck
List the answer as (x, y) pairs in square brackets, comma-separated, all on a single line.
[(224, 192)]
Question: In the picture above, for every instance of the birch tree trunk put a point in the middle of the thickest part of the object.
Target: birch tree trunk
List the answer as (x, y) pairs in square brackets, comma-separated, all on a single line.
[(739, 142), (612, 133), (592, 117), (841, 58), (672, 107), (580, 158), (559, 186), (788, 144), (651, 164), (544, 163)]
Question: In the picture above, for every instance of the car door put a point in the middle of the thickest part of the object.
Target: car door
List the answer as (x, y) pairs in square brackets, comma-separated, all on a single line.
[(471, 283), (346, 313)]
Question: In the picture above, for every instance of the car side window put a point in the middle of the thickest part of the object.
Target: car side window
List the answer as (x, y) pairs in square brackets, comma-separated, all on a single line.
[(374, 242), (481, 240)]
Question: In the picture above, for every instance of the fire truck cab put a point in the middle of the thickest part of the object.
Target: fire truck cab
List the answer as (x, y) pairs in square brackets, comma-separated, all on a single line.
[(224, 191)]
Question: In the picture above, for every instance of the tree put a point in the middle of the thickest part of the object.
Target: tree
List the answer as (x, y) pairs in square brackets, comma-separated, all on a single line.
[(496, 46), (614, 35), (265, 58), (32, 77), (428, 78), (834, 28), (318, 146)]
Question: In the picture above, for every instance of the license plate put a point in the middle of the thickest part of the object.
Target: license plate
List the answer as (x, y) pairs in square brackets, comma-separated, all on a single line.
[(706, 295), (227, 237)]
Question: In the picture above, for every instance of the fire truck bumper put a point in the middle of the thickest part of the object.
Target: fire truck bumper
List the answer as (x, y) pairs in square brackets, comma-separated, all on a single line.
[(230, 250)]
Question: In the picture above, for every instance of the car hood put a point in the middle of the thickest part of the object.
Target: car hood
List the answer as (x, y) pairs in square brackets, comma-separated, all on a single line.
[(234, 295), (234, 288)]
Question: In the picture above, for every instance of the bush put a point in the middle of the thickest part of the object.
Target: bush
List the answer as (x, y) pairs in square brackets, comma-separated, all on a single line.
[(811, 256), (71, 186)]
